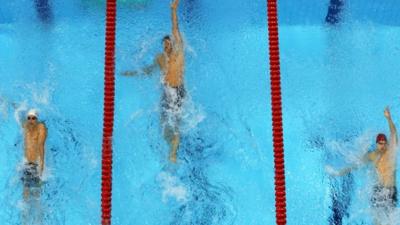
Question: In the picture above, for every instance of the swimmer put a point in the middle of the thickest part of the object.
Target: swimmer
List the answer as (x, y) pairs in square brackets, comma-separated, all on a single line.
[(384, 198), (43, 9), (171, 62), (35, 134)]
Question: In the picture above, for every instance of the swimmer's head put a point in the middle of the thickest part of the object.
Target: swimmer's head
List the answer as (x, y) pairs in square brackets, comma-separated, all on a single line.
[(32, 115), (167, 43), (381, 142)]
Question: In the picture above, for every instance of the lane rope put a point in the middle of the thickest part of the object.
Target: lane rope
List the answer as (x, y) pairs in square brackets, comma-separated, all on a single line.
[(276, 105), (108, 116)]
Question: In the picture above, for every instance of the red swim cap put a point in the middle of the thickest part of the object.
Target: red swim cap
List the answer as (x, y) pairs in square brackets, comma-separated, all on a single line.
[(381, 137)]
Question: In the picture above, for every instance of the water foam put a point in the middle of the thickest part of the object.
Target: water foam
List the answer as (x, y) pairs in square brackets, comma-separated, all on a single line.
[(172, 188)]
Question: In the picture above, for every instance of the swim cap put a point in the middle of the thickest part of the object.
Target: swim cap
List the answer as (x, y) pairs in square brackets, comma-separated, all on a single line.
[(381, 137), (32, 112)]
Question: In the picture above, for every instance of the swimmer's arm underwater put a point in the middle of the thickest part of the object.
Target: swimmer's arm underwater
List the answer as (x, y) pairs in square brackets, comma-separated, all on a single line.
[(147, 70), (331, 171), (344, 171)]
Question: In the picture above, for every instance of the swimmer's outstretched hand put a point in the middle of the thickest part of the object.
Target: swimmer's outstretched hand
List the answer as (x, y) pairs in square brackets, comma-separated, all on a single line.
[(331, 171), (174, 4)]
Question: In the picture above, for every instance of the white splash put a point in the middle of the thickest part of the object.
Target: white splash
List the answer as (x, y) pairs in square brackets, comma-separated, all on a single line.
[(3, 106), (352, 152), (192, 115), (41, 97), (172, 188), (20, 108), (22, 205), (47, 173), (387, 217)]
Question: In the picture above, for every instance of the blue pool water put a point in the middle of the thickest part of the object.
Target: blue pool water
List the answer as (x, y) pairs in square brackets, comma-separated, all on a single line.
[(335, 84)]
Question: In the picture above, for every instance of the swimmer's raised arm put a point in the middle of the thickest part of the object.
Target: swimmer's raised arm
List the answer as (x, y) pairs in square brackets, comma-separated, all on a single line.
[(175, 28), (392, 127)]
